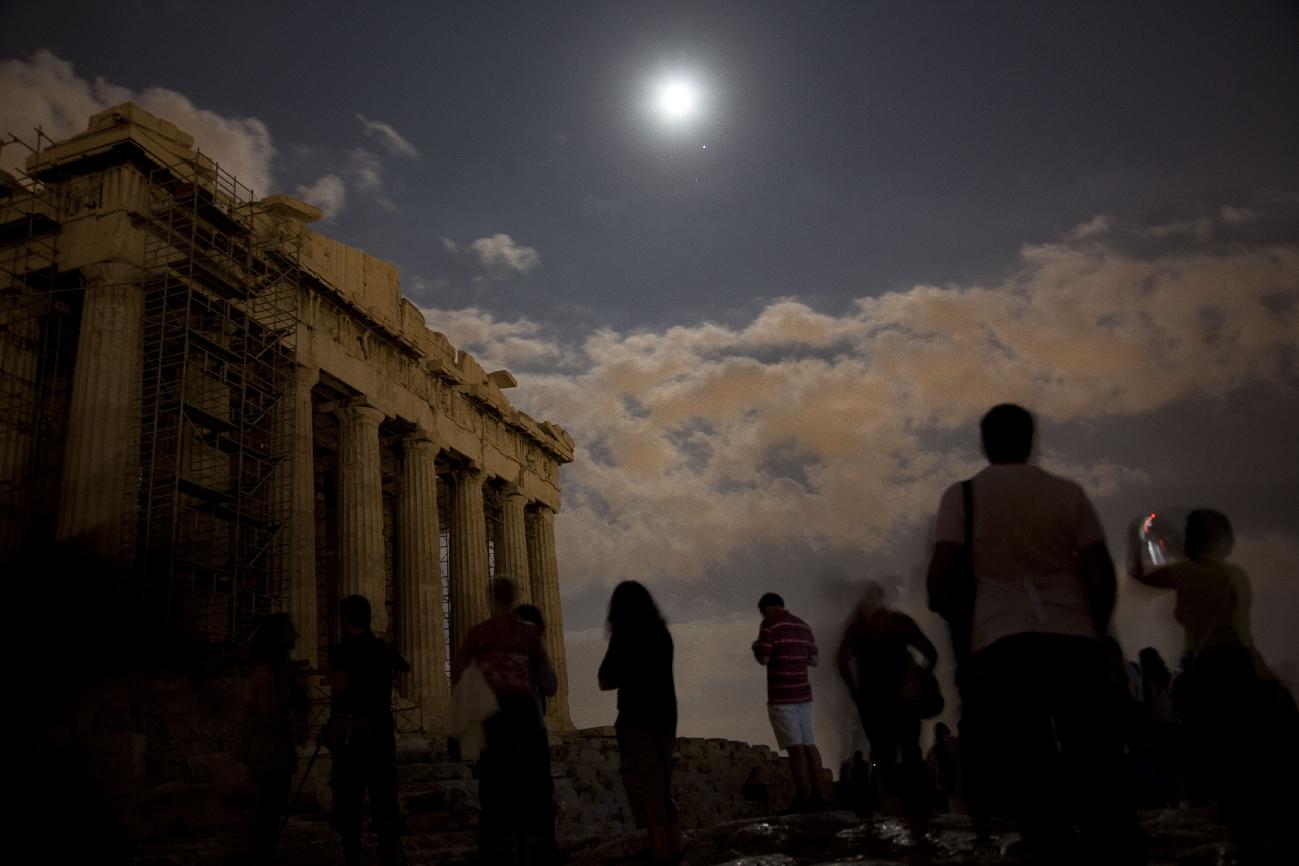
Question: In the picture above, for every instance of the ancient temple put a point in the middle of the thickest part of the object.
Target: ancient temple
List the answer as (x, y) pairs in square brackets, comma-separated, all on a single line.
[(248, 416)]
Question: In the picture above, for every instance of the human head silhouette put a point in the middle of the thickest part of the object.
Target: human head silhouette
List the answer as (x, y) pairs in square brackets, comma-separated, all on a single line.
[(502, 592), (632, 609), (1208, 533), (530, 613), (354, 611), (770, 599), (1007, 434), (871, 600)]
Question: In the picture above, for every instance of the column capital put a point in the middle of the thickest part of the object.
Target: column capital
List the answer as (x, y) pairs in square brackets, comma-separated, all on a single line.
[(419, 443), (469, 473), (308, 376), (514, 493), (361, 411), (110, 273)]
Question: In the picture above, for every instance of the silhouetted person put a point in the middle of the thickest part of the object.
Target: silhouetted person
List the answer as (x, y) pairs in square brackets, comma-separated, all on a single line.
[(859, 784), (275, 724), (638, 664), (945, 768), (531, 614), (361, 733), (1160, 746), (874, 657), (1044, 732), (786, 647), (515, 794), (1235, 713)]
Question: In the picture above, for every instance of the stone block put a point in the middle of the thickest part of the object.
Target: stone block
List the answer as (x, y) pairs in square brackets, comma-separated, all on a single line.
[(412, 750)]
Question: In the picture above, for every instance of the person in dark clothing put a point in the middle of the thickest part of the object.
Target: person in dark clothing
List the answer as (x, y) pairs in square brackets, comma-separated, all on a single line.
[(874, 657), (638, 664), (1042, 734), (945, 768), (1160, 733), (361, 733), (275, 724), (1235, 712), (515, 794)]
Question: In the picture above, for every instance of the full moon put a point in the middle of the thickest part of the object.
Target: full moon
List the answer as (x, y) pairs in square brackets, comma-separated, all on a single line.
[(677, 100)]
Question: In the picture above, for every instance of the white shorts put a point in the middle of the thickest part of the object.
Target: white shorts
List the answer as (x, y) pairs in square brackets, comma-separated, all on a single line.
[(792, 724)]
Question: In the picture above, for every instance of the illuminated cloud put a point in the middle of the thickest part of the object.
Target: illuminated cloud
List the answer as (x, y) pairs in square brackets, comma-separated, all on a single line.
[(327, 193), (812, 429), (498, 257), (392, 140), (45, 91)]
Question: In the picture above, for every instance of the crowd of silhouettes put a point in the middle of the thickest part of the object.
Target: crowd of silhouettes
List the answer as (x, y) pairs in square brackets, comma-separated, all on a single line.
[(1058, 731)]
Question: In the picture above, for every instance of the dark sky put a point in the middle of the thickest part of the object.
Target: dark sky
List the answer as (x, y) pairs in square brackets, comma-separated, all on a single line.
[(772, 327), (851, 147)]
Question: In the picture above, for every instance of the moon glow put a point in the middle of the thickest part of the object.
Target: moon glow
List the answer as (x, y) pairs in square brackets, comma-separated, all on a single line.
[(677, 100)]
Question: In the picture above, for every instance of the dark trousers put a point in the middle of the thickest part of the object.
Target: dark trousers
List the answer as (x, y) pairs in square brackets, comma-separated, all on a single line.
[(894, 734), (1242, 749), (516, 798), (367, 762), (1046, 746)]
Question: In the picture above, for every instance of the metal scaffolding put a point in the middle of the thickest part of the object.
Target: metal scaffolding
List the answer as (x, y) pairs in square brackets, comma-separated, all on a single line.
[(35, 362), (220, 314)]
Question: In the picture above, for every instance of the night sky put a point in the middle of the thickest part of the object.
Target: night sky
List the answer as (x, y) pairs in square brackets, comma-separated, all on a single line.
[(771, 324)]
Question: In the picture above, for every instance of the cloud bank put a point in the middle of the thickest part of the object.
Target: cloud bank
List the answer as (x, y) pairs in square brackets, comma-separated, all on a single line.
[(44, 90), (719, 460)]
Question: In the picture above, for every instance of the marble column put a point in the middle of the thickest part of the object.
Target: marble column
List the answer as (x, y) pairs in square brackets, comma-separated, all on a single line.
[(419, 583), (512, 553), (544, 571), (99, 492), (360, 507), (300, 569), (469, 591)]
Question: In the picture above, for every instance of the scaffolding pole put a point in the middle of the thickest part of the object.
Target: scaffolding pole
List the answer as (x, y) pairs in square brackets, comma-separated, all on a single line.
[(220, 314)]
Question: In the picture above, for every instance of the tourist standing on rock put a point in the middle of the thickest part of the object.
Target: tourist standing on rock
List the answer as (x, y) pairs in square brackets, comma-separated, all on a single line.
[(274, 725), (638, 664), (1040, 721), (361, 733), (1240, 723), (786, 647), (515, 794), (875, 662), (945, 769)]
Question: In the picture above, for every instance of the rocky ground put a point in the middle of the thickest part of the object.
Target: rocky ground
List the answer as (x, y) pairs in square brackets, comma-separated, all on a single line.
[(1186, 837), (728, 794)]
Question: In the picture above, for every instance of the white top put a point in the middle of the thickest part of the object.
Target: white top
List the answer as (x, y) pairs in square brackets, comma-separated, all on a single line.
[(1029, 527)]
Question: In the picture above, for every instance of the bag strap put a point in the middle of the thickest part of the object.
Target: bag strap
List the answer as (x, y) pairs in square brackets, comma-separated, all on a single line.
[(967, 494)]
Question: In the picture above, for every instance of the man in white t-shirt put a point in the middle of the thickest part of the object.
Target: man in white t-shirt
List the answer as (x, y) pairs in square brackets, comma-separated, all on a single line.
[(1036, 700)]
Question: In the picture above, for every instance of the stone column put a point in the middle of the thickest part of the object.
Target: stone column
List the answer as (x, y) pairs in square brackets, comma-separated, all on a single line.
[(470, 593), (300, 568), (419, 581), (100, 488), (360, 506), (544, 571), (512, 555)]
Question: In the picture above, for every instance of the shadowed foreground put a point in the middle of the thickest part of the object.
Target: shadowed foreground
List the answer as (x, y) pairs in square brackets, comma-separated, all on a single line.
[(1181, 837)]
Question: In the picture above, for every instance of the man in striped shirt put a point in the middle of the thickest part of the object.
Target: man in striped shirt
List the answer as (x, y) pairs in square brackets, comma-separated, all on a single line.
[(786, 647)]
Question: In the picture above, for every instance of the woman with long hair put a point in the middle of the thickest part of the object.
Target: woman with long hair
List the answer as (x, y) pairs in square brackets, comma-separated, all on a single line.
[(638, 664)]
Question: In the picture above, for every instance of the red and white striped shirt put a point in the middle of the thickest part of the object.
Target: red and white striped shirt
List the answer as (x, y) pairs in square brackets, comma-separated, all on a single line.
[(787, 642)]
